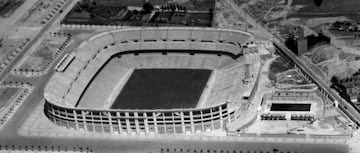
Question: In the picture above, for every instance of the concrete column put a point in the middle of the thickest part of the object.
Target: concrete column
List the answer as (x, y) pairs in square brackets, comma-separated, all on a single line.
[(119, 122), (101, 122), (212, 119), (76, 120), (136, 115), (221, 117), (228, 114), (182, 122), (84, 120), (127, 123), (67, 121), (110, 122), (202, 122), (92, 120), (164, 125), (192, 122), (53, 112), (172, 116), (155, 123), (146, 123)]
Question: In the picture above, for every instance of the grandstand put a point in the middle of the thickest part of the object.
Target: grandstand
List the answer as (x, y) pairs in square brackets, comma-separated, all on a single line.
[(72, 100), (108, 78)]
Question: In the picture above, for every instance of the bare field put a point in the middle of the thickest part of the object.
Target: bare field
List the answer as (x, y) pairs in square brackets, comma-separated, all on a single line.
[(277, 66), (266, 11), (226, 17), (327, 6), (42, 54), (291, 77), (5, 95), (37, 13), (13, 39), (349, 41), (8, 45), (334, 61), (323, 127)]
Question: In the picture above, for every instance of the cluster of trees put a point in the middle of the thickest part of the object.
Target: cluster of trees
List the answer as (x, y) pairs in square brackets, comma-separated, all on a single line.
[(147, 8), (346, 26), (173, 7), (318, 2)]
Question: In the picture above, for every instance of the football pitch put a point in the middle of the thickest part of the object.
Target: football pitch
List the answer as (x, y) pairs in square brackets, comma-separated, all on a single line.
[(162, 89)]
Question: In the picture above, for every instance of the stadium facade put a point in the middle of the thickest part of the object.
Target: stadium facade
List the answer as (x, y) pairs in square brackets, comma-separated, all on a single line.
[(74, 74), (138, 121)]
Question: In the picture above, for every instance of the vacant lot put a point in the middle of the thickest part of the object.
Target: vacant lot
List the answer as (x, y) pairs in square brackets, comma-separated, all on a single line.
[(7, 46), (42, 54), (327, 8), (162, 89), (37, 13), (277, 66), (6, 94), (291, 77)]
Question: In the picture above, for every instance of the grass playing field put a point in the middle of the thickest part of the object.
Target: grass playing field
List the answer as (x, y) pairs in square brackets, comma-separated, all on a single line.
[(162, 89)]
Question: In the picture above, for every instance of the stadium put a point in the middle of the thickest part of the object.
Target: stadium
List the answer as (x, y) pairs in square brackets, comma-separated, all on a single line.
[(167, 80)]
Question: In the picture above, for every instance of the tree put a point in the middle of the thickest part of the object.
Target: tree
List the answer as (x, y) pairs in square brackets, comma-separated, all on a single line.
[(148, 8), (334, 79), (318, 2), (172, 8), (211, 11)]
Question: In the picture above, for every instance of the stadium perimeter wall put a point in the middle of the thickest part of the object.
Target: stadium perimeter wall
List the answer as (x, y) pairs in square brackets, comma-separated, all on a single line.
[(65, 88), (142, 121)]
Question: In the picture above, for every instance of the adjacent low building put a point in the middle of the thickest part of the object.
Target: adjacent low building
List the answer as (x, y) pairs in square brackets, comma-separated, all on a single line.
[(290, 105), (352, 86)]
